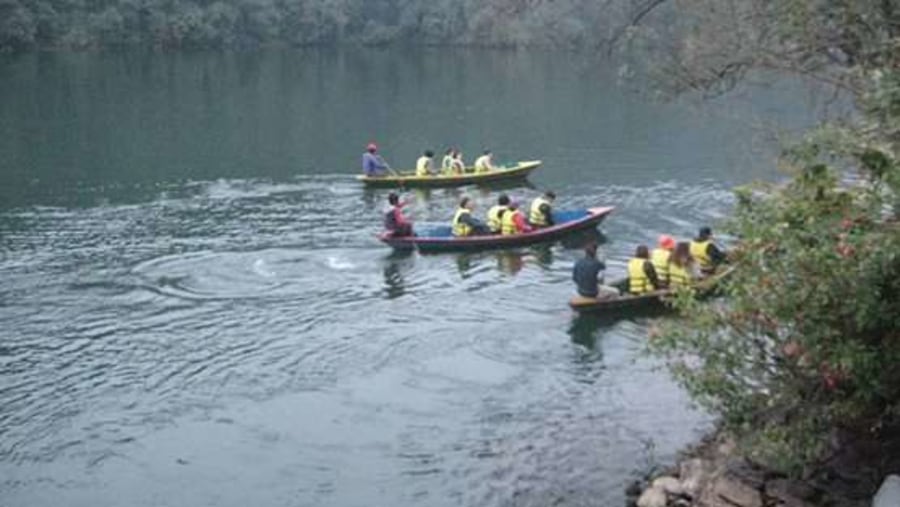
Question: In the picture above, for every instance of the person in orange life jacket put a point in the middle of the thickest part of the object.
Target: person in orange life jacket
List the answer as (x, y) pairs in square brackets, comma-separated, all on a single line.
[(707, 255), (394, 221), (513, 221), (641, 275), (660, 257)]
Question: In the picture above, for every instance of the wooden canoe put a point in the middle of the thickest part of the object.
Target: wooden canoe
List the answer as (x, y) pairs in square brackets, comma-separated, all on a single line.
[(440, 239), (409, 180), (655, 300)]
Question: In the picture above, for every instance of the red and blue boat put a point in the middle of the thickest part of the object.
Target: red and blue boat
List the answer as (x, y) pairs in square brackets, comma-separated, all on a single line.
[(440, 239)]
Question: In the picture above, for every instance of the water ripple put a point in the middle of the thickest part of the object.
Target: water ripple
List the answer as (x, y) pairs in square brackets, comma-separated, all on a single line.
[(144, 323)]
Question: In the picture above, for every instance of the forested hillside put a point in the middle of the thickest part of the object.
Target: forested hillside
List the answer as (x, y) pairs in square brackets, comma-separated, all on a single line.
[(28, 24)]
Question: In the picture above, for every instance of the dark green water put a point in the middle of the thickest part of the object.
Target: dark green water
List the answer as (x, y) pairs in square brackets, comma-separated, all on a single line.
[(195, 310)]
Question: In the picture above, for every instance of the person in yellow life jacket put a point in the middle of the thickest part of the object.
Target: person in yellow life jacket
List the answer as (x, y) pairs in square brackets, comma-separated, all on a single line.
[(447, 161), (424, 164), (464, 224), (495, 214), (681, 266), (513, 221), (541, 212), (459, 166), (707, 255), (660, 257), (641, 275), (485, 162)]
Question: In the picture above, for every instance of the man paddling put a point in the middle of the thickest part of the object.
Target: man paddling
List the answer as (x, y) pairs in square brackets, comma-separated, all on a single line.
[(372, 163), (394, 221)]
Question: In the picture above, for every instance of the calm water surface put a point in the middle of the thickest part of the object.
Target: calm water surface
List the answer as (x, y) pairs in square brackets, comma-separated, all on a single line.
[(195, 311)]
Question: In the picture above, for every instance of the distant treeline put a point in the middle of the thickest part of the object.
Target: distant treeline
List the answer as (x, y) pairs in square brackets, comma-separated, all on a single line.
[(30, 24)]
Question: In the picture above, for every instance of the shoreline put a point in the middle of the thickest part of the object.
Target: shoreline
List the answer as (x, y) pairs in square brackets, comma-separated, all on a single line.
[(715, 473)]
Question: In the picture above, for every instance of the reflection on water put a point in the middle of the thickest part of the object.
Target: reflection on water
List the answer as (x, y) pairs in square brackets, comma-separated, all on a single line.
[(394, 266), (510, 262), (241, 297), (586, 328)]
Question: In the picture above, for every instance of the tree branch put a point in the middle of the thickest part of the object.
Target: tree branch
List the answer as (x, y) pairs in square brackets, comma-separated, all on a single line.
[(643, 12)]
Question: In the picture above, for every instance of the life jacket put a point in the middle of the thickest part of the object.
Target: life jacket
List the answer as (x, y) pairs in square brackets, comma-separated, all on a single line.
[(536, 216), (508, 222), (460, 228), (423, 165), (494, 217), (660, 259), (638, 282), (678, 276), (481, 164), (447, 164), (698, 252)]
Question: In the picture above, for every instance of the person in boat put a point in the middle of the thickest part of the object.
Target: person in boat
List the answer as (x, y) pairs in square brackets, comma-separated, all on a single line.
[(513, 221), (372, 163), (447, 161), (587, 276), (681, 266), (394, 221), (464, 223), (707, 255), (641, 275), (485, 163), (661, 256), (459, 166), (495, 214), (541, 212), (425, 164)]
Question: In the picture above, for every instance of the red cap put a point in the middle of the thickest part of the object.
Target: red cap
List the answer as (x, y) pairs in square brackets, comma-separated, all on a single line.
[(667, 242), (372, 147)]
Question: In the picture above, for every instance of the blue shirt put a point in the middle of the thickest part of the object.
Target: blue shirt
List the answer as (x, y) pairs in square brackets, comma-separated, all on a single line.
[(585, 274), (372, 165)]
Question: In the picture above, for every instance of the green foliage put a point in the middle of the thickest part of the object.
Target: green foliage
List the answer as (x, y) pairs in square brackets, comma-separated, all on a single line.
[(808, 339)]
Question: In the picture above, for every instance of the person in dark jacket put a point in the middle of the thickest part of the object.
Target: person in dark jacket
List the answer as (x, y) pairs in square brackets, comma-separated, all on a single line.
[(587, 275)]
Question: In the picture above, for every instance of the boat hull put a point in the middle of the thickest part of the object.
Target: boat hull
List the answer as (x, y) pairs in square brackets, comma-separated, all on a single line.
[(519, 171), (432, 244), (651, 301)]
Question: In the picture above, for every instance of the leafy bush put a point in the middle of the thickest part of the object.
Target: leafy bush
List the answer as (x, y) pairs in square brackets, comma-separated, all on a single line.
[(808, 339)]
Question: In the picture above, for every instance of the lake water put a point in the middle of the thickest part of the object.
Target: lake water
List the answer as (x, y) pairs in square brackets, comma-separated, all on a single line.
[(195, 310)]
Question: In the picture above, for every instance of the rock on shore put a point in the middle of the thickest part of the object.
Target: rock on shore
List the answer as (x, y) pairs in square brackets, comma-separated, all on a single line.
[(713, 475)]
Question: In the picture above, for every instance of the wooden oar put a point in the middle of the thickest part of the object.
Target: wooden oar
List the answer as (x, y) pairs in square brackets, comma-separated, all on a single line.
[(387, 166)]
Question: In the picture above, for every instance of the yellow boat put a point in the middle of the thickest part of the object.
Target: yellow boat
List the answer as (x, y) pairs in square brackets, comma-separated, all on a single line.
[(408, 179)]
